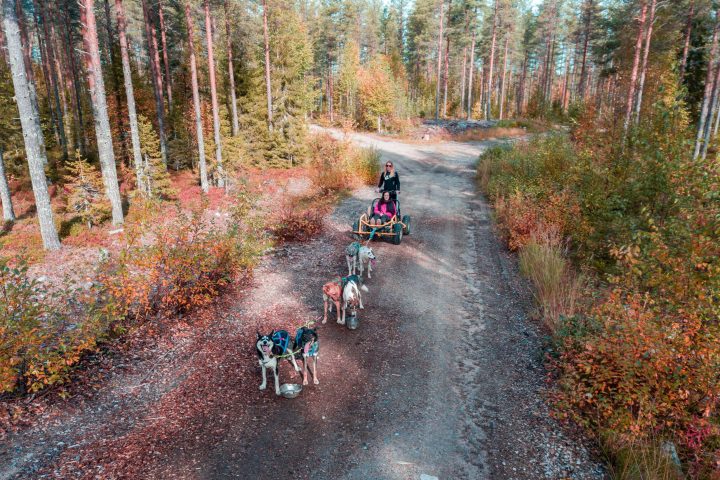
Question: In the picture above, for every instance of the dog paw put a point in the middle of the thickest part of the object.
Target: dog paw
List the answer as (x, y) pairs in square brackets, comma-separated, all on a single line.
[(305, 381), (316, 381), (263, 386), (277, 392)]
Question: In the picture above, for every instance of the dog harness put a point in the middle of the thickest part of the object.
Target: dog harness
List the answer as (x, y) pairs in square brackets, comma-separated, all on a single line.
[(281, 340), (352, 249), (313, 349)]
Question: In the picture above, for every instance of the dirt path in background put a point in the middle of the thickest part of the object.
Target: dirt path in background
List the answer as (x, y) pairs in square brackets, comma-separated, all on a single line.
[(443, 377)]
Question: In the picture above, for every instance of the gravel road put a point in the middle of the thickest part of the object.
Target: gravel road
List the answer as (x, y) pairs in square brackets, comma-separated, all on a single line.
[(443, 378)]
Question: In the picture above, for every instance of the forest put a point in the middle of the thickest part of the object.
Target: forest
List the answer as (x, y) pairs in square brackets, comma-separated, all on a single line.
[(113, 113)]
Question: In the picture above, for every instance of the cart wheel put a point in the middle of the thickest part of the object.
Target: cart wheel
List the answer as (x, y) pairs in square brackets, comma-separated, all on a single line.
[(356, 228), (398, 231), (406, 221)]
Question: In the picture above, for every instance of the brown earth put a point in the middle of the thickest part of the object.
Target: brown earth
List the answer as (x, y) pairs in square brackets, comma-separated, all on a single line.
[(443, 377)]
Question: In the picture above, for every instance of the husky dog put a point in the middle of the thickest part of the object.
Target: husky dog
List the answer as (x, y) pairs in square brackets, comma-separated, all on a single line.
[(272, 348), (307, 342), (346, 292), (366, 256), (351, 256)]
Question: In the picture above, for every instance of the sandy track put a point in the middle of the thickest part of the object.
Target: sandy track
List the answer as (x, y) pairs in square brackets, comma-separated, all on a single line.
[(444, 376)]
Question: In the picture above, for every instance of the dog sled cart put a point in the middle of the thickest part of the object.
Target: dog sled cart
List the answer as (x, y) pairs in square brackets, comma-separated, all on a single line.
[(395, 228)]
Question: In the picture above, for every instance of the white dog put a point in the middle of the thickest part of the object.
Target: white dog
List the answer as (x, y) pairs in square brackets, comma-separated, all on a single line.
[(351, 295), (351, 256), (366, 257), (342, 296), (357, 257)]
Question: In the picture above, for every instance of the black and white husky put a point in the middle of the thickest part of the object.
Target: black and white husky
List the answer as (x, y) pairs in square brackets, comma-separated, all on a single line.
[(308, 344), (270, 350)]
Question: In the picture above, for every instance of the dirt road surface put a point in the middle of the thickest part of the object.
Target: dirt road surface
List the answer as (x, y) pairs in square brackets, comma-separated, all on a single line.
[(443, 378)]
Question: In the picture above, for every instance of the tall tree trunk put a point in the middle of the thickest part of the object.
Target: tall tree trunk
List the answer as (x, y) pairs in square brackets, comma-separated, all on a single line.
[(130, 94), (504, 76), (24, 38), (30, 123), (27, 60), (80, 133), (330, 95), (3, 46), (166, 62), (5, 197), (470, 75), (196, 98), (587, 25), (646, 54), (488, 104), (717, 121), (231, 73), (156, 79), (58, 63), (711, 111), (521, 86), (268, 86), (213, 96), (636, 65), (112, 63), (100, 114), (439, 62), (566, 83), (712, 65), (46, 76), (462, 80), (446, 74), (50, 51), (686, 43)]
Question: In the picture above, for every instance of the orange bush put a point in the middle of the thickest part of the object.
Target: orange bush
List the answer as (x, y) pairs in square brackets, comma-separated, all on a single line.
[(45, 331), (295, 222), (185, 266), (642, 371)]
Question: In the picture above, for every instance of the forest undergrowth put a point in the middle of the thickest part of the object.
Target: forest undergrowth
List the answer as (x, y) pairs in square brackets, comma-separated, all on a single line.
[(620, 240)]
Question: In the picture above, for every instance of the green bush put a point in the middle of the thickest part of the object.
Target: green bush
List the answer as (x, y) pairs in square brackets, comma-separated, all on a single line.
[(366, 165)]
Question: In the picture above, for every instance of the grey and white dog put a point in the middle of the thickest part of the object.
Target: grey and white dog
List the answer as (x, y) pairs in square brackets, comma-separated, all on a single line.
[(357, 257)]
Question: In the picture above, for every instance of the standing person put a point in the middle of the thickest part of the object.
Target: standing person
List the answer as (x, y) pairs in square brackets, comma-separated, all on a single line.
[(389, 180)]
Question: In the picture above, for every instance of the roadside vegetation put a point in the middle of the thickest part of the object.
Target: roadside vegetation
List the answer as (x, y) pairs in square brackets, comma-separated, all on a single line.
[(620, 240)]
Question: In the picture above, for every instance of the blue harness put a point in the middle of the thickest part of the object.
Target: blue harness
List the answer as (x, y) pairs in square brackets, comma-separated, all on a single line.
[(281, 341), (352, 249)]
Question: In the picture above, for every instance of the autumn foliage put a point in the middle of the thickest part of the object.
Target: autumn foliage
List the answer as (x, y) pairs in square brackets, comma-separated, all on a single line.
[(171, 267), (637, 361)]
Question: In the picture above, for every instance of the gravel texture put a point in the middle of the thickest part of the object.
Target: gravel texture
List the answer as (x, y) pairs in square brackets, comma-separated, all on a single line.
[(442, 379)]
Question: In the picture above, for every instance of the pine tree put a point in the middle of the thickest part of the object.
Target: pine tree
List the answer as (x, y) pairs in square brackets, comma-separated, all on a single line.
[(155, 173), (30, 121), (100, 114), (85, 198), (9, 134)]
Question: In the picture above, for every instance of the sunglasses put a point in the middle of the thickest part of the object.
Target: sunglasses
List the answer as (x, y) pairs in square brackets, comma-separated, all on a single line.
[(389, 165)]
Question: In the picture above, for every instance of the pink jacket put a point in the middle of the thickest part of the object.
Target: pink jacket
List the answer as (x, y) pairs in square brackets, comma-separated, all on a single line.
[(385, 208)]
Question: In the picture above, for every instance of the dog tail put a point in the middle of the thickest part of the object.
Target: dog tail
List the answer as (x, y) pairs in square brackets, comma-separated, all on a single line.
[(364, 288)]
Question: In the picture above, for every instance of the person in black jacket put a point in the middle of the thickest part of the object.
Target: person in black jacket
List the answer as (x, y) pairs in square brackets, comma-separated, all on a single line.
[(389, 180)]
